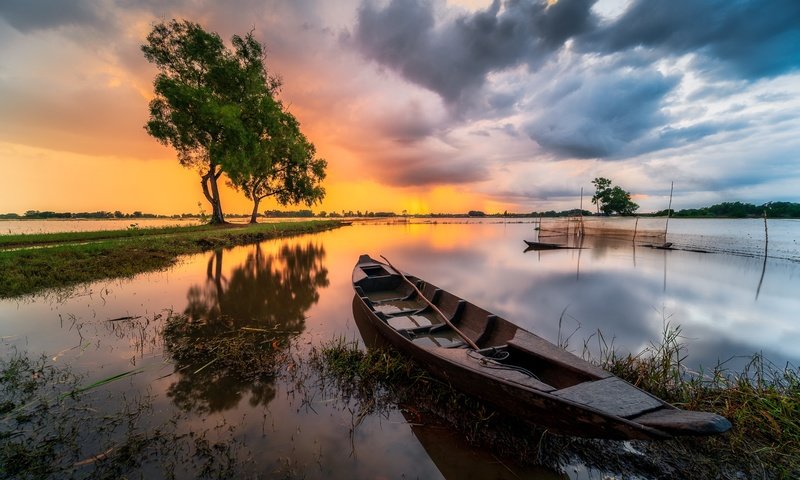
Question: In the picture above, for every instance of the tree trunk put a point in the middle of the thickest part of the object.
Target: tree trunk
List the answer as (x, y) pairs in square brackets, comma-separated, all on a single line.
[(212, 194), (254, 215)]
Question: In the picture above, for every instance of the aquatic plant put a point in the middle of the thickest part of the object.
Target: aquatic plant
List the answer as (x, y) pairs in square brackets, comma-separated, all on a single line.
[(53, 425)]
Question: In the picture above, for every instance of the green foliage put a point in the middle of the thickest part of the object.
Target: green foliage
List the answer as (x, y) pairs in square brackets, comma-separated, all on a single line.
[(761, 401), (612, 199), (216, 107), (276, 159), (200, 99), (741, 210)]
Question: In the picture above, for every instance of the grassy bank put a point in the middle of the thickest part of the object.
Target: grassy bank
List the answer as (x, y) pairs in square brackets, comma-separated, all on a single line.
[(761, 402), (31, 263)]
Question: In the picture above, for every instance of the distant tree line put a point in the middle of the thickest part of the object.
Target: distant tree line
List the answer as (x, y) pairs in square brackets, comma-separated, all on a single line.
[(288, 214), (721, 210), (739, 210), (43, 215), (477, 213)]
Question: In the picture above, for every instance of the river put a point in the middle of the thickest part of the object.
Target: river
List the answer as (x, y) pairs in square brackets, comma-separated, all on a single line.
[(729, 304)]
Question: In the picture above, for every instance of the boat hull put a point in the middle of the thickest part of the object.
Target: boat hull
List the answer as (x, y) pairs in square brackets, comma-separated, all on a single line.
[(534, 381), (539, 410)]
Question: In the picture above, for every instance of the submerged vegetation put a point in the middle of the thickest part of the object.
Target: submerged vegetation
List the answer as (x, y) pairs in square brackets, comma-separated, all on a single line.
[(53, 426), (762, 403), (77, 257)]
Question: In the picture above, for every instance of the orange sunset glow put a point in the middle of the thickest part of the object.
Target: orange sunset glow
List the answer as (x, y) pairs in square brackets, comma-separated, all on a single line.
[(408, 115)]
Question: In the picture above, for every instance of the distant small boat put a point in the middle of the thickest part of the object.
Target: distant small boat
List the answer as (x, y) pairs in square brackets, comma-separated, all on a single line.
[(546, 246), (542, 245), (662, 246), (511, 368)]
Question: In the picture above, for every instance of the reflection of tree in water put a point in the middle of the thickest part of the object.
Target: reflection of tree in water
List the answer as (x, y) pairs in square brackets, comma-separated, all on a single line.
[(235, 332)]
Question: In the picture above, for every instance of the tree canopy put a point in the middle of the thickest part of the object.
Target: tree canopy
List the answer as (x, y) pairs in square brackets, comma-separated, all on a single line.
[(216, 107), (279, 161), (612, 199)]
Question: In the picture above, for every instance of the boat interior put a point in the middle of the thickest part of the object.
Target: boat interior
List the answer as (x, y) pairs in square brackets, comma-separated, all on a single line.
[(394, 301)]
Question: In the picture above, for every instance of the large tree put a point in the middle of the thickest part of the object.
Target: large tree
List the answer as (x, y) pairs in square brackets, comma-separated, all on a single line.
[(612, 199), (276, 159), (199, 91)]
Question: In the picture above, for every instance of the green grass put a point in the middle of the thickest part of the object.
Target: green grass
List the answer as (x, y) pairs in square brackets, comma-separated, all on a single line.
[(762, 401), (38, 239), (72, 258)]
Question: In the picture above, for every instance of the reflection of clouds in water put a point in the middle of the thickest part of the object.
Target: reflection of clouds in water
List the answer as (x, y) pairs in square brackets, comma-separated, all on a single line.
[(611, 302), (708, 349), (627, 294)]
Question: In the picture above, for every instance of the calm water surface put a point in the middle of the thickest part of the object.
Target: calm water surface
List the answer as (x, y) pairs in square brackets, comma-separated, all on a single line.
[(727, 305)]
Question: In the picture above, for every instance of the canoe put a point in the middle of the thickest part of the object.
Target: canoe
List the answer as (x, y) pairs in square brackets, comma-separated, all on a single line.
[(542, 246), (516, 371), (547, 246)]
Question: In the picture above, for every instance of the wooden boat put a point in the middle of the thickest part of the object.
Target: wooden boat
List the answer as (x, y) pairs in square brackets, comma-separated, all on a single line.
[(511, 368), (547, 246), (661, 246), (542, 246)]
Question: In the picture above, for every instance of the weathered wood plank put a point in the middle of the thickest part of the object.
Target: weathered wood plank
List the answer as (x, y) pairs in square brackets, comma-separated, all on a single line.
[(611, 395), (528, 342)]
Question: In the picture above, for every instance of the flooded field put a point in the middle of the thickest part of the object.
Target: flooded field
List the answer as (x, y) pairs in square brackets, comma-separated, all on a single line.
[(219, 418)]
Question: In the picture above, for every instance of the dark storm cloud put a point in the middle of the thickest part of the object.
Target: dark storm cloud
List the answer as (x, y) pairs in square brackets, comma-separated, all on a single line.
[(454, 56), (751, 38), (600, 115), (31, 15), (616, 108)]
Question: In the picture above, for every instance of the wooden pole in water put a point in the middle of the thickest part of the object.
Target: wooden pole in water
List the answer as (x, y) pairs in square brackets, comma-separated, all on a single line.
[(434, 307), (669, 210), (580, 212), (764, 267)]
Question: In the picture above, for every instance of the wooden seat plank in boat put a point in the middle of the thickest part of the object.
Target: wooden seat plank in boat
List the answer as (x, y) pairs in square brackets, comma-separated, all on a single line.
[(536, 345), (442, 338), (405, 322), (401, 307), (611, 395)]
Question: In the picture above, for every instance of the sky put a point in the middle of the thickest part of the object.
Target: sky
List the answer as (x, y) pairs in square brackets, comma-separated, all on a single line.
[(423, 105)]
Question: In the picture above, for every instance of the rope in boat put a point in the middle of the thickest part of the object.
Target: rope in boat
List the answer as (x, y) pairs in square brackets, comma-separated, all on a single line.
[(494, 363)]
